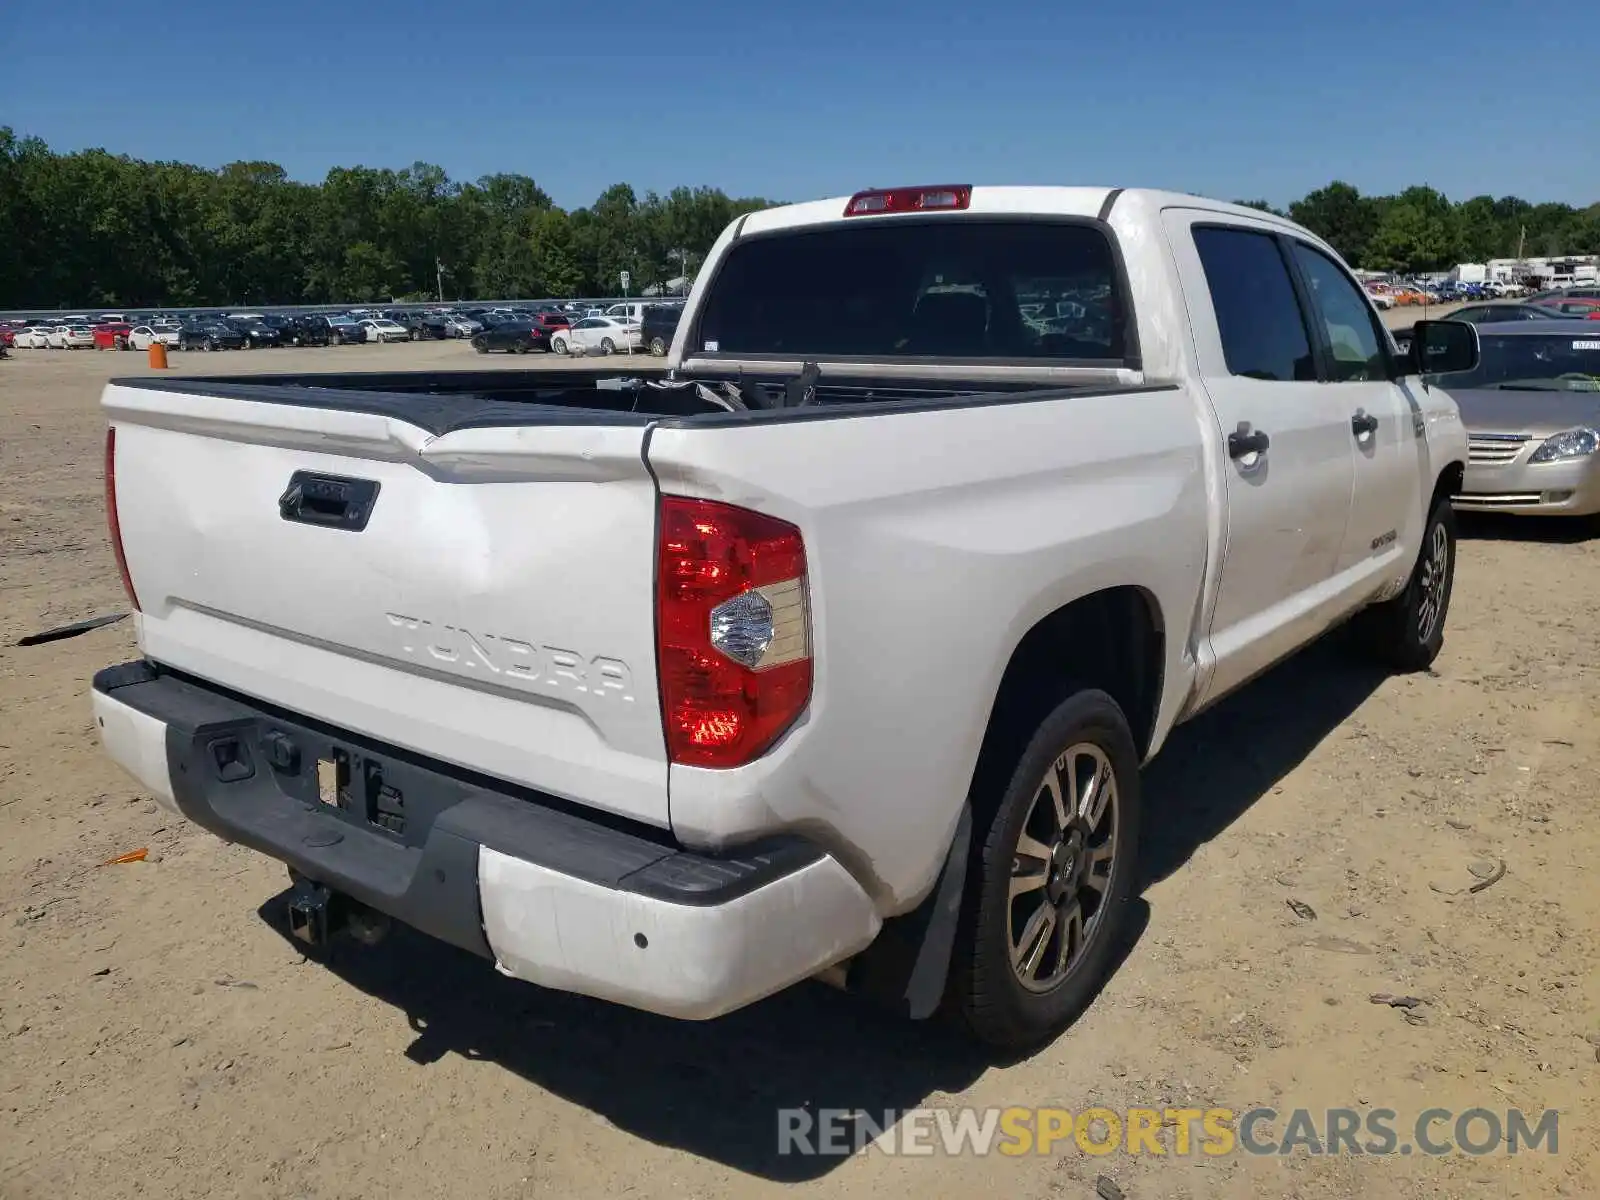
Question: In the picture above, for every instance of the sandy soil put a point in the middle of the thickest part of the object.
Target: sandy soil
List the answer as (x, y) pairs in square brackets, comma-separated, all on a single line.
[(159, 1036)]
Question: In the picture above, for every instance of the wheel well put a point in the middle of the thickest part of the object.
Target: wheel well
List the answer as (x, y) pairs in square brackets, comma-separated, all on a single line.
[(1112, 640), (1450, 481)]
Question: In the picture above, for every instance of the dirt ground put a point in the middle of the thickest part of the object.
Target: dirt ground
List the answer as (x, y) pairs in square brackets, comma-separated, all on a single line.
[(159, 1035)]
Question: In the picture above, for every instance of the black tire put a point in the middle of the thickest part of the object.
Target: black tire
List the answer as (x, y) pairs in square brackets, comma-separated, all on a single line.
[(416, 335), (337, 339), (658, 347), (480, 345), (1406, 632), (607, 346), (210, 344), (558, 345), (988, 990)]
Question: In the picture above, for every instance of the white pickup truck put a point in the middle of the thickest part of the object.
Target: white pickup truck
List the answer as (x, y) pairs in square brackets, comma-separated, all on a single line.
[(837, 650)]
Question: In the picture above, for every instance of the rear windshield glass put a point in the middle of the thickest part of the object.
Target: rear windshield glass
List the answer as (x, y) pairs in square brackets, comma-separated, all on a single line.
[(939, 288)]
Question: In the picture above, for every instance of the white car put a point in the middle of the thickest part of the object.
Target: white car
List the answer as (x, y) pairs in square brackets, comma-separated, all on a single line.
[(381, 329), (78, 337), (1382, 300), (34, 337), (597, 335), (141, 336), (678, 713)]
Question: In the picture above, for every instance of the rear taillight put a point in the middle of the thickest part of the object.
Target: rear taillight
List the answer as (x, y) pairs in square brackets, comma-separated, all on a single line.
[(113, 526), (733, 631)]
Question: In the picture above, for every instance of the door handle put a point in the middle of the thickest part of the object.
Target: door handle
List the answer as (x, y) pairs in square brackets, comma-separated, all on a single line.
[(1363, 423), (1242, 441)]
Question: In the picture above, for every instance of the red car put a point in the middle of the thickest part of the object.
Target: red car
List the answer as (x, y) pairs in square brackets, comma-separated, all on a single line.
[(112, 336), (1576, 307)]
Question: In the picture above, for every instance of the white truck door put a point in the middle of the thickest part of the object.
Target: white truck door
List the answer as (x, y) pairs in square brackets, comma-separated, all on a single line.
[(1386, 446), (1285, 442)]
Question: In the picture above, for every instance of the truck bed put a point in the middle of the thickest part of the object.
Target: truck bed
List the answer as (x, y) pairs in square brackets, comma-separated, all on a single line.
[(441, 402)]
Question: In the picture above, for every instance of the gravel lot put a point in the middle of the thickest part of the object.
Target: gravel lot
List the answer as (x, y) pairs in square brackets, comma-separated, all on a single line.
[(159, 1036)]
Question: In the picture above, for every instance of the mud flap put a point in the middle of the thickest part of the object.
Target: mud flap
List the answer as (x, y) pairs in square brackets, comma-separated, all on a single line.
[(906, 966)]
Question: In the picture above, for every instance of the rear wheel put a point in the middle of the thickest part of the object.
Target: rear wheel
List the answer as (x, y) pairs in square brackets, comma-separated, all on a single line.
[(1047, 890), (1406, 633), (658, 347), (416, 335), (480, 345), (337, 339), (210, 344)]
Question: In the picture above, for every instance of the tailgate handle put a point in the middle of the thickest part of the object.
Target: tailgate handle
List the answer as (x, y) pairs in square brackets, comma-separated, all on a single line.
[(335, 501)]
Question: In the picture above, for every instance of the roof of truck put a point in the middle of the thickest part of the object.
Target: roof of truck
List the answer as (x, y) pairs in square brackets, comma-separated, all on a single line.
[(1000, 199)]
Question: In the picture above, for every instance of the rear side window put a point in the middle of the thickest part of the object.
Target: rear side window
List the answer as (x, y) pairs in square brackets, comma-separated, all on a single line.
[(907, 288), (1258, 315)]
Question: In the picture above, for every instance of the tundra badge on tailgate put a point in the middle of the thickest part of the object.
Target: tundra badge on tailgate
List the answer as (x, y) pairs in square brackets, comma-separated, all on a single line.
[(517, 661)]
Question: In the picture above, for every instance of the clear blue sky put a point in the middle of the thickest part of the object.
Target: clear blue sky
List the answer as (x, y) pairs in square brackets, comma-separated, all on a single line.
[(1232, 98)]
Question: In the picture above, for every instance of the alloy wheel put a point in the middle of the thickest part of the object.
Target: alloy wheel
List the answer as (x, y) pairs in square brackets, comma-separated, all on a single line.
[(1061, 869)]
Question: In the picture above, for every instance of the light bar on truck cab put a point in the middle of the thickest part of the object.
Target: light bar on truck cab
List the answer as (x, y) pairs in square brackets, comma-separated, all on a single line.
[(940, 198)]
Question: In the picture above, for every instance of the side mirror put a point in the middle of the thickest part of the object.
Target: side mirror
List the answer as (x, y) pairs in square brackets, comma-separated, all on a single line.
[(1441, 348)]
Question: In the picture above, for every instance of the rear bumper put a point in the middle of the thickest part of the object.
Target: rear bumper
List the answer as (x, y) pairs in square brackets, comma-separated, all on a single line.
[(548, 892)]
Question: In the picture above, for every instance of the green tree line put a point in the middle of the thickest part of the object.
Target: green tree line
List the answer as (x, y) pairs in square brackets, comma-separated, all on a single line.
[(1421, 230), (97, 229)]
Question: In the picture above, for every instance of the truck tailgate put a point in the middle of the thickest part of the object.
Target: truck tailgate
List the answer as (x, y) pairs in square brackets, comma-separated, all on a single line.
[(491, 604)]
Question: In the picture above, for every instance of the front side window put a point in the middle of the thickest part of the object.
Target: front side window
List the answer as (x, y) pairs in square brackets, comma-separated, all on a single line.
[(1258, 315), (1355, 349)]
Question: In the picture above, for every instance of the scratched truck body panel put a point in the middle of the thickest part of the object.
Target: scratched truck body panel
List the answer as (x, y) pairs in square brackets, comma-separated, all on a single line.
[(495, 615)]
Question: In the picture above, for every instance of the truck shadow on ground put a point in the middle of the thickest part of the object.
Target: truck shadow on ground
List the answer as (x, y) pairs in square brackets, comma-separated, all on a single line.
[(715, 1089), (1503, 527)]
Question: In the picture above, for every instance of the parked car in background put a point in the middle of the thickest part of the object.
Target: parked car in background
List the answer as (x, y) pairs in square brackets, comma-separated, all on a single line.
[(140, 337), (78, 337), (112, 335), (1580, 307), (659, 323), (514, 337), (427, 326), (342, 329), (1380, 297), (1532, 411), (259, 333), (1491, 313), (1570, 293), (211, 333), (459, 325), (597, 335), (382, 329)]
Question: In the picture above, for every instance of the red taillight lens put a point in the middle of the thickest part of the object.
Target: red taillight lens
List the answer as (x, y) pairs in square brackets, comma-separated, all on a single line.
[(733, 631), (113, 526)]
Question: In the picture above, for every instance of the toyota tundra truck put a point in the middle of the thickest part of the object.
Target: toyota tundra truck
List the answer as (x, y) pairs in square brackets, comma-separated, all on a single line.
[(834, 651)]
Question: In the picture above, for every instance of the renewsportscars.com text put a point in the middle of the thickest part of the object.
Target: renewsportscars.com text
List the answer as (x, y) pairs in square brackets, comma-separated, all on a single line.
[(1212, 1132)]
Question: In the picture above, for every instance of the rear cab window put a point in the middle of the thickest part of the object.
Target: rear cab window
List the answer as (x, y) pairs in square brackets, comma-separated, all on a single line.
[(976, 288)]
